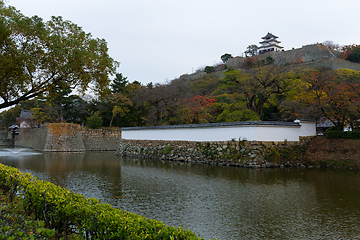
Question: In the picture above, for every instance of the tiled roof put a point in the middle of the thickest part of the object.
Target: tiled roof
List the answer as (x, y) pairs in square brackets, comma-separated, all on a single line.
[(269, 35), (25, 114), (324, 124)]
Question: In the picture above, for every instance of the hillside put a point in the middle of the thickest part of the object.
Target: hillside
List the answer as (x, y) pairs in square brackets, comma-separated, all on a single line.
[(334, 152), (309, 57)]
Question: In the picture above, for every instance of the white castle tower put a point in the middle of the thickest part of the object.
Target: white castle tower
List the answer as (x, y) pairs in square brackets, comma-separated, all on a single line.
[(269, 44)]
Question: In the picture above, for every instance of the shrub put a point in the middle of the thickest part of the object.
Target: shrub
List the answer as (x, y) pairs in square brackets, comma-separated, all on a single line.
[(95, 121), (68, 212), (209, 69), (342, 134)]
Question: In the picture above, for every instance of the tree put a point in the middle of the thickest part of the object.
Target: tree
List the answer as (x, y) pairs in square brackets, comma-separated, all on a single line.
[(232, 108), (204, 85), (94, 121), (195, 110), (331, 45), (225, 57), (250, 62), (122, 105), (251, 50), (354, 56), (261, 85), (209, 69), (37, 55), (119, 83), (335, 94), (9, 116), (351, 53)]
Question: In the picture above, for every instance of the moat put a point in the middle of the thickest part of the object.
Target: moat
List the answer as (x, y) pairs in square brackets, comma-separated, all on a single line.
[(213, 201)]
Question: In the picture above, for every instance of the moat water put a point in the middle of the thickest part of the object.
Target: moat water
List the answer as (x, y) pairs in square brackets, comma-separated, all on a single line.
[(213, 201)]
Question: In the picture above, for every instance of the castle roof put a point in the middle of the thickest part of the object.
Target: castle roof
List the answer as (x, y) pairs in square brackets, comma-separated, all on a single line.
[(269, 35), (271, 45), (25, 114), (270, 41)]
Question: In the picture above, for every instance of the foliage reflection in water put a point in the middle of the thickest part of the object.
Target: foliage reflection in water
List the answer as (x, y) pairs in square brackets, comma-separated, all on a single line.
[(221, 202)]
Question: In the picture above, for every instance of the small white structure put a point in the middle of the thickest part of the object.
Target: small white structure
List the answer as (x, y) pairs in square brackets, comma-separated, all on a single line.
[(269, 44), (251, 131)]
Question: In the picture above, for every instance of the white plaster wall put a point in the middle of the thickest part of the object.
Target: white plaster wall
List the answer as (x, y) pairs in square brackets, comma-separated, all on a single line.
[(250, 133), (277, 133), (193, 134), (307, 128), (226, 133)]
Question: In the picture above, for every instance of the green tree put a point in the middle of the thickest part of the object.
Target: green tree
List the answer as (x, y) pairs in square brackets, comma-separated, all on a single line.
[(119, 83), (262, 85), (225, 57), (251, 50), (95, 121), (9, 116), (209, 69), (37, 55), (232, 108), (354, 56)]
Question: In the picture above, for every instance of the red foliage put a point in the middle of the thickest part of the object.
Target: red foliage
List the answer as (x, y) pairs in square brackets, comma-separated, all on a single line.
[(347, 50), (199, 109), (250, 62), (202, 100)]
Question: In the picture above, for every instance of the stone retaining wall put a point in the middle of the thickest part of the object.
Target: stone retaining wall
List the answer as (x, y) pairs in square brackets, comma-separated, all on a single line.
[(60, 137), (64, 138), (101, 139), (4, 140), (32, 138), (230, 153)]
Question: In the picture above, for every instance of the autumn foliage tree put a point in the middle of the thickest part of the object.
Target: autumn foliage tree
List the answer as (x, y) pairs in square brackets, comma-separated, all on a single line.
[(351, 53), (335, 94), (195, 110)]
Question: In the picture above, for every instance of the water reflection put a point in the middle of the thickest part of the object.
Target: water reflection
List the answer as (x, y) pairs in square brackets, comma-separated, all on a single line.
[(222, 202)]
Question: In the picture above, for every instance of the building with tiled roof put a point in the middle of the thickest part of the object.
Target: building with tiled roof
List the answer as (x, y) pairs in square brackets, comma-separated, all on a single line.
[(24, 119), (270, 44)]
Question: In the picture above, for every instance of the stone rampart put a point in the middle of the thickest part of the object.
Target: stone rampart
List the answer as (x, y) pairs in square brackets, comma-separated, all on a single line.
[(60, 137), (32, 138), (309, 56), (4, 140), (229, 153), (64, 138), (101, 139)]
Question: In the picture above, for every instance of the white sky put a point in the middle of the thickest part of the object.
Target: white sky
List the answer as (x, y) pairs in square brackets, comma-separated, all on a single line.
[(160, 40)]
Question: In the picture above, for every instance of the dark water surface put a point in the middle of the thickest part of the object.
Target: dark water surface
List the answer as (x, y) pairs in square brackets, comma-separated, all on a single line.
[(215, 202)]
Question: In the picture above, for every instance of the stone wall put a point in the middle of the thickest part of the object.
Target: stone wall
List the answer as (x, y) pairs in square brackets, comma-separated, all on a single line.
[(32, 138), (309, 56), (59, 137), (64, 138), (4, 140), (101, 139), (230, 153)]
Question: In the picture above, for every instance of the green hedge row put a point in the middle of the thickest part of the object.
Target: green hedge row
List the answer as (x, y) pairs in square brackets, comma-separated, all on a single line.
[(342, 134), (69, 212)]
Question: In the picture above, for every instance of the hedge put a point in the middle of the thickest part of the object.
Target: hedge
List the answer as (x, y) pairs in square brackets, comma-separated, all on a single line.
[(68, 212), (342, 134)]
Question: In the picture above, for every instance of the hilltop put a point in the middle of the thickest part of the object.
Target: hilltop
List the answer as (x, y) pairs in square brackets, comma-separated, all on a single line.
[(308, 57)]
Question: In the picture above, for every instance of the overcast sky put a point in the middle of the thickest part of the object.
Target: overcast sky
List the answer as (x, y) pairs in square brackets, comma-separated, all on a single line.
[(160, 40)]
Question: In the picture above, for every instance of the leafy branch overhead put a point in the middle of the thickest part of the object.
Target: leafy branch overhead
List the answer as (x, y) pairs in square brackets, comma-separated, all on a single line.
[(36, 56)]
